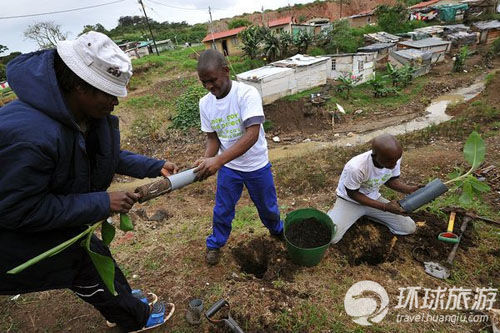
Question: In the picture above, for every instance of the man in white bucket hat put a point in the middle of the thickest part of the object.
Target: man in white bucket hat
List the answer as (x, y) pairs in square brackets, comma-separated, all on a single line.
[(60, 148)]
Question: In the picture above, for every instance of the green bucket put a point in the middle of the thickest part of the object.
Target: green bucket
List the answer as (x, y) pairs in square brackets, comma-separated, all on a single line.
[(312, 256)]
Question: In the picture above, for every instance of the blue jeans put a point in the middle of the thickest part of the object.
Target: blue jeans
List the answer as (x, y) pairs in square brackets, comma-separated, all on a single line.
[(260, 186)]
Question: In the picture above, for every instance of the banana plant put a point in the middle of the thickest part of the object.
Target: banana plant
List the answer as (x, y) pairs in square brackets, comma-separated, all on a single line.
[(474, 153), (103, 264)]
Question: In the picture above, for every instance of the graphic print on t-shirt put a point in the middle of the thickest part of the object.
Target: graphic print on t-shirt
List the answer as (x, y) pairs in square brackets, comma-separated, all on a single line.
[(227, 128)]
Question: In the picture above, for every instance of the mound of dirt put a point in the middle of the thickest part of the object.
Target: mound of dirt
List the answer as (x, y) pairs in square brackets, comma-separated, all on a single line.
[(308, 234), (367, 242)]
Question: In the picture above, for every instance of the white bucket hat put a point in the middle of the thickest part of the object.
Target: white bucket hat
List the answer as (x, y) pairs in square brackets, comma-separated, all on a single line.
[(96, 59)]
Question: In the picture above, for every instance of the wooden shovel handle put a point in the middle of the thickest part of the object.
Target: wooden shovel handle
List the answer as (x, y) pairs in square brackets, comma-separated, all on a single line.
[(453, 252)]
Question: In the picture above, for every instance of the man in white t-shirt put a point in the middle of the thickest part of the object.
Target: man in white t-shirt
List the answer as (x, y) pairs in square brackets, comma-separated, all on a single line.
[(232, 117), (358, 189)]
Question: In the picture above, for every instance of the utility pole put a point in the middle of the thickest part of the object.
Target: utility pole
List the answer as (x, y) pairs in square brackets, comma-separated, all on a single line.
[(212, 29), (150, 31)]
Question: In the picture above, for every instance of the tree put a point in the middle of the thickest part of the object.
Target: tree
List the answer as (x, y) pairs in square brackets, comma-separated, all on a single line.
[(302, 40), (45, 34), (285, 40), (251, 38), (3, 48), (236, 23), (98, 27), (392, 19), (3, 72), (340, 38), (271, 46)]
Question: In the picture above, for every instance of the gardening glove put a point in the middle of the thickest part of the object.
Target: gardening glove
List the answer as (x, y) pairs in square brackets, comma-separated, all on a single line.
[(393, 207), (169, 169), (121, 202)]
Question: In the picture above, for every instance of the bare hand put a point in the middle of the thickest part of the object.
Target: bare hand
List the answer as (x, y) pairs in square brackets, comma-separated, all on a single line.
[(121, 202), (206, 167), (169, 169), (394, 207)]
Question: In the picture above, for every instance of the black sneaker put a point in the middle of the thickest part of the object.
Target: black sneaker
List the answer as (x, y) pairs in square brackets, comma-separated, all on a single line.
[(212, 257)]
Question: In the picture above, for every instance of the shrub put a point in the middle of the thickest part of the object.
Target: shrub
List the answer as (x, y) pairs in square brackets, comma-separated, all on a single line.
[(187, 107), (459, 59)]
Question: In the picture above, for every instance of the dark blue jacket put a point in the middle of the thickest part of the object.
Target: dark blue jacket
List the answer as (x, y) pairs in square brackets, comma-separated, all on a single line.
[(52, 179)]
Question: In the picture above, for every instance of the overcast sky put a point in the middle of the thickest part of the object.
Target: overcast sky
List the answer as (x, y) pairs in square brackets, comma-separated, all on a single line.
[(192, 11)]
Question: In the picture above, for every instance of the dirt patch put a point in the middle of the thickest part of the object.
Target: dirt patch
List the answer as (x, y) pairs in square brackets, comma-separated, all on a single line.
[(368, 242), (262, 258), (308, 234)]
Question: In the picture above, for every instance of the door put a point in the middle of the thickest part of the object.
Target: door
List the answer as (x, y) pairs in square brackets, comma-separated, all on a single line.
[(224, 47)]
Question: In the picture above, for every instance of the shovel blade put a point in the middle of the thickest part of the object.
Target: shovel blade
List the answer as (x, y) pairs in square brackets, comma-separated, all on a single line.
[(436, 270)]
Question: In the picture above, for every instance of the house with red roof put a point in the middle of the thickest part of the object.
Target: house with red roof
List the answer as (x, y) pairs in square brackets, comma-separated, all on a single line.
[(281, 24), (227, 42)]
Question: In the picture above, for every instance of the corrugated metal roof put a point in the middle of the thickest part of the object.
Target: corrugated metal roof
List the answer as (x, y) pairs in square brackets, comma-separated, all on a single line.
[(222, 34), (376, 47), (299, 60), (263, 72), (363, 13), (280, 21), (485, 25), (424, 42), (383, 37)]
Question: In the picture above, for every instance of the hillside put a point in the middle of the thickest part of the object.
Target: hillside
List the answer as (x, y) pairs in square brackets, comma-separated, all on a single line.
[(302, 12)]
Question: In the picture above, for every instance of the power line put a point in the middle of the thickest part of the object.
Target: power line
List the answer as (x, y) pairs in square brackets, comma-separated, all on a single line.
[(60, 11)]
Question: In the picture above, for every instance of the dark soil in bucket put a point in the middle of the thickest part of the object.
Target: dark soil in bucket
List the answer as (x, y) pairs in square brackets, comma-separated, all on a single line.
[(308, 233)]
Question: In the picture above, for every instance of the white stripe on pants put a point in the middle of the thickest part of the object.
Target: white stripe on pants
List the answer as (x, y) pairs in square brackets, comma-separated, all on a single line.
[(345, 213)]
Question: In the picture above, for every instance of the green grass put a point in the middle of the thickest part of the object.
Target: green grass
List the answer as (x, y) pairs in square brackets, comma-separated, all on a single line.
[(302, 94), (245, 217)]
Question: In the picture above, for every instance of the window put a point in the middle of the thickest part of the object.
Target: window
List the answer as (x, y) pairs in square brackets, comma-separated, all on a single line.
[(235, 41), (334, 64), (361, 65)]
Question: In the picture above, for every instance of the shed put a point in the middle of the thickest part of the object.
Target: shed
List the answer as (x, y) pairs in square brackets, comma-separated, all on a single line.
[(362, 19), (437, 46), (489, 31), (309, 71), (461, 38), (381, 50), (381, 37), (361, 65), (419, 60), (271, 82)]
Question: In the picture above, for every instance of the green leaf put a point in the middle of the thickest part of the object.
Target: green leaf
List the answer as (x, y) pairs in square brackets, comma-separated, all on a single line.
[(479, 185), (104, 265), (107, 233), (125, 223), (455, 173), (474, 150), (467, 194)]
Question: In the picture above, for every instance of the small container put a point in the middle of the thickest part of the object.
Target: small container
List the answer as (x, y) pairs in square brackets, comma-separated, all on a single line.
[(423, 195), (194, 311)]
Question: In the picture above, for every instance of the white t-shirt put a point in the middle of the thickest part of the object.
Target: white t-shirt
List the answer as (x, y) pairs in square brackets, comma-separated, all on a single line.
[(225, 116), (361, 174)]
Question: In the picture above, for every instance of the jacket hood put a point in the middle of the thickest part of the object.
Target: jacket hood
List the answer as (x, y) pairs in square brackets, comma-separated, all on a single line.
[(33, 79)]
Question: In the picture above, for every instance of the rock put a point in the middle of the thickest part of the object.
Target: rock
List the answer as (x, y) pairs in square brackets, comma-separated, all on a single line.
[(350, 134), (336, 135), (358, 112), (160, 215), (348, 145), (276, 139), (135, 276), (306, 140)]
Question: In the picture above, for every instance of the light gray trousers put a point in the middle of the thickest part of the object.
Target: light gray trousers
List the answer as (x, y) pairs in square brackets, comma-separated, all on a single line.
[(345, 213)]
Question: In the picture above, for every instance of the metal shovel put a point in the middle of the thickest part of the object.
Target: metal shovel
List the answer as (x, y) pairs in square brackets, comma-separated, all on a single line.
[(438, 270), (229, 321)]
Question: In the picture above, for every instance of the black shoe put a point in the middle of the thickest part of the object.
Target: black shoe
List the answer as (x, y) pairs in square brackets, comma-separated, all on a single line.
[(212, 257)]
